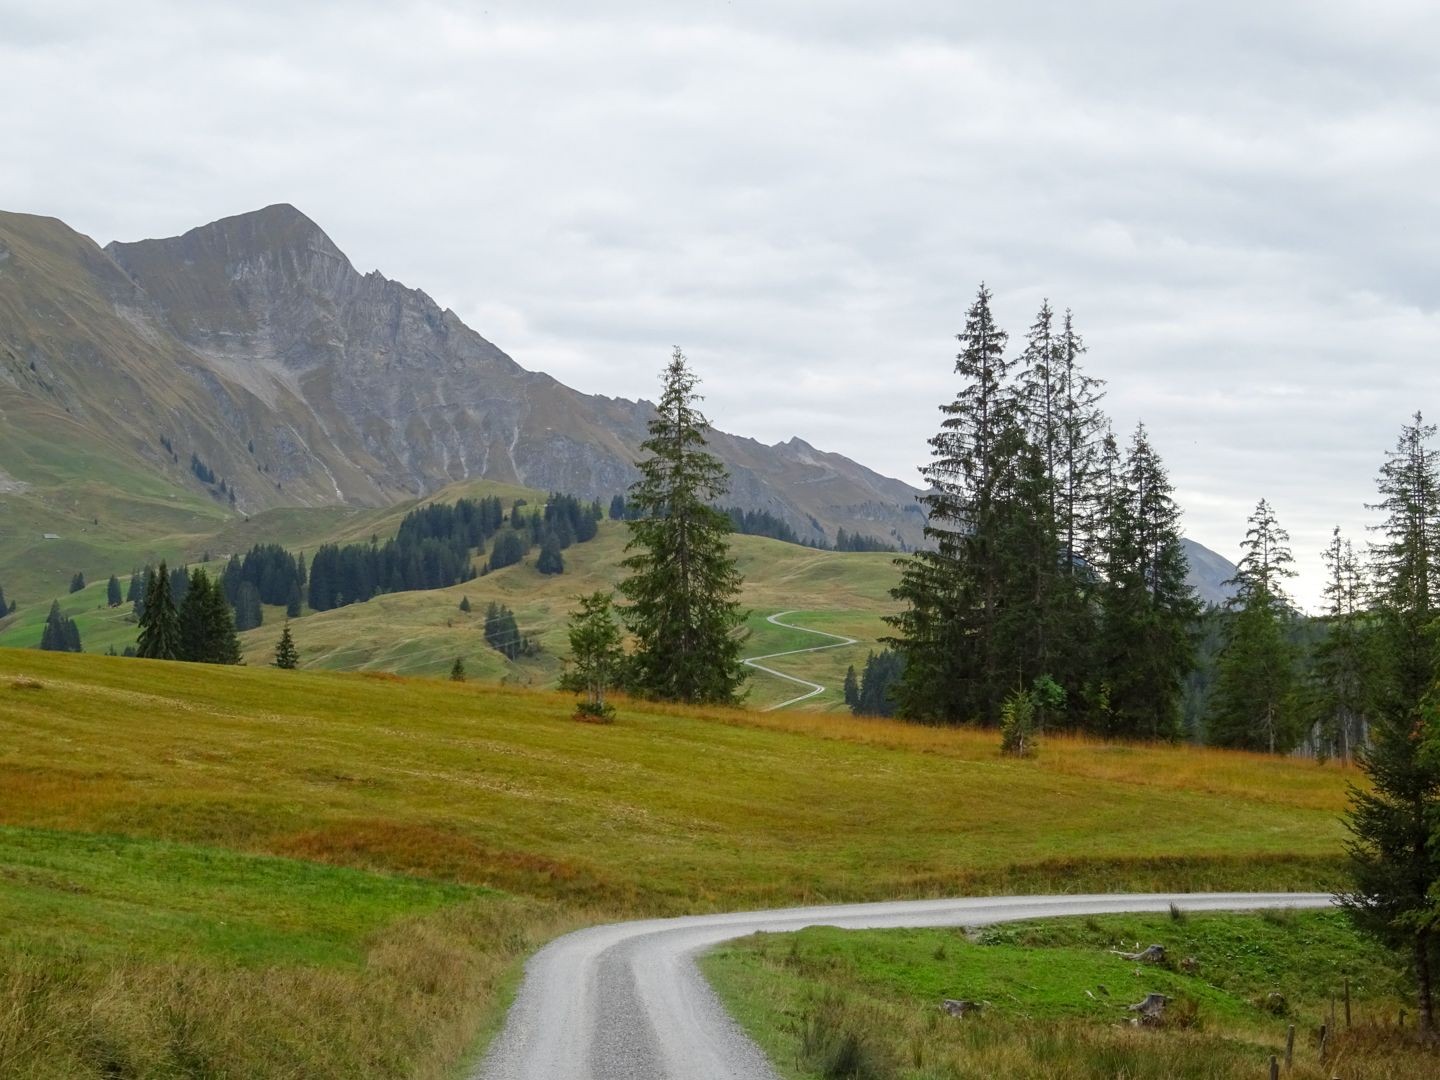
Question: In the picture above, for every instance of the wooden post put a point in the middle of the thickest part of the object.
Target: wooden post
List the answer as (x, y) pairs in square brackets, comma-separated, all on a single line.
[(1402, 1018), (1323, 1032), (1274, 1067), (1347, 1002), (1290, 1048)]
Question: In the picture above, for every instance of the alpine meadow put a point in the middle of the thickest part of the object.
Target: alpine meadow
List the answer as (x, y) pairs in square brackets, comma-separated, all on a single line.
[(376, 703)]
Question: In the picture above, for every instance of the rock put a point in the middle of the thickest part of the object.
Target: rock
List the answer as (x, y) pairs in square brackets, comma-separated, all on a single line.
[(960, 1008)]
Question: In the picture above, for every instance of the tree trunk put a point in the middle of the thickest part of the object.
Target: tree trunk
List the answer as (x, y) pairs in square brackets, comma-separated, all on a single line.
[(1422, 985)]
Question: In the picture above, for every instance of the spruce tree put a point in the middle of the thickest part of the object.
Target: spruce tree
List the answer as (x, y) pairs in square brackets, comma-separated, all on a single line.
[(77, 582), (4, 609), (287, 657), (1255, 704), (292, 601), (596, 657), (1147, 610), (248, 612), (159, 621), (457, 670), (683, 583), (207, 624), (1343, 661), (113, 596), (958, 664), (550, 560), (1394, 861), (59, 633), (852, 688)]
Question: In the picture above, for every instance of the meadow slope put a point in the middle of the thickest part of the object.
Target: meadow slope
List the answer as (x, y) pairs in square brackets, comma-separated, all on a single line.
[(378, 852)]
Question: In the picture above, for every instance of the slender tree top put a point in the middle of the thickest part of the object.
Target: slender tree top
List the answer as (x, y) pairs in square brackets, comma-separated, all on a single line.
[(1267, 562)]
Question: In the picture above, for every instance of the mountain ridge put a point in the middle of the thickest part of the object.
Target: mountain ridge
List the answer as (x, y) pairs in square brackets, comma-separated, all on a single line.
[(253, 343)]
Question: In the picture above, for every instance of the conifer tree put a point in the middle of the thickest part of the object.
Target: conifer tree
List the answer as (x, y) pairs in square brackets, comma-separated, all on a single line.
[(957, 667), (1394, 862), (292, 601), (207, 625), (457, 670), (248, 612), (682, 584), (287, 657), (1079, 479), (596, 656), (77, 582), (1255, 704), (1146, 607), (1343, 662), (852, 688), (113, 596), (159, 621), (550, 560), (59, 633), (465, 604), (4, 609)]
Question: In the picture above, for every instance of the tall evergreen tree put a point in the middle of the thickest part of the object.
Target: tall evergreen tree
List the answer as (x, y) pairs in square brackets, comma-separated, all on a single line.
[(457, 670), (207, 625), (1146, 608), (954, 669), (77, 582), (1343, 661), (287, 657), (682, 584), (248, 612), (550, 560), (1394, 862), (1083, 429), (4, 609), (113, 596), (1255, 705), (852, 688), (159, 621)]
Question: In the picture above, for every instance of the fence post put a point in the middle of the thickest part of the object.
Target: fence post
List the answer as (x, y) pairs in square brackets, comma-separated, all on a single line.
[(1347, 1002), (1274, 1067), (1323, 1032), (1290, 1048)]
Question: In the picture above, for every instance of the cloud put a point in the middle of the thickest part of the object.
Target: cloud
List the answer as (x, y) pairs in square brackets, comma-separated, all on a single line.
[(1235, 199)]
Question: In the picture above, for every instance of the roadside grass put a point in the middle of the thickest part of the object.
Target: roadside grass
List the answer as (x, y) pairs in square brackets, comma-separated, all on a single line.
[(830, 1003), (141, 958)]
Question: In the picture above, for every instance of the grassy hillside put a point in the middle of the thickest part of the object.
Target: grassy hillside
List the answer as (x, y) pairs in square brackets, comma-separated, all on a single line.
[(193, 834)]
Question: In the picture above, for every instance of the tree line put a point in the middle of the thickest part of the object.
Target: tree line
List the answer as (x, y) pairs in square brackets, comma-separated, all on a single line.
[(764, 523)]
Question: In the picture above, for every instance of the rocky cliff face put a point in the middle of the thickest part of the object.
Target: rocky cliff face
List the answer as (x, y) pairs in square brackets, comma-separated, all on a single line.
[(254, 343)]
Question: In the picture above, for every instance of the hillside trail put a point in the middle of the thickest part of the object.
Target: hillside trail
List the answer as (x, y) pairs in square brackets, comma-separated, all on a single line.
[(814, 688)]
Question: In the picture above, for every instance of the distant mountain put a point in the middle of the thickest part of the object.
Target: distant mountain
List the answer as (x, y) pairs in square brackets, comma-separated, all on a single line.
[(254, 345), (1208, 573)]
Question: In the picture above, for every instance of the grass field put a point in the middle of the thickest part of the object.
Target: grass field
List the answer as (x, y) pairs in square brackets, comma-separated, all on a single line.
[(192, 832), (827, 1003)]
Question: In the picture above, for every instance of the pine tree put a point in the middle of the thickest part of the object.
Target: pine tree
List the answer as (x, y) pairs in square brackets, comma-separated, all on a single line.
[(159, 621), (457, 670), (77, 582), (292, 601), (135, 591), (682, 584), (287, 657), (596, 657), (1147, 610), (207, 625), (852, 688), (59, 633), (113, 596), (617, 508), (1255, 704), (1394, 863), (1079, 475), (4, 609), (248, 612), (958, 667), (465, 604), (1343, 661), (550, 560)]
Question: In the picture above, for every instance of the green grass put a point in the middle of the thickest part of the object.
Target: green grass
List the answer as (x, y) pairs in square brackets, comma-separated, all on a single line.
[(247, 872), (1055, 998)]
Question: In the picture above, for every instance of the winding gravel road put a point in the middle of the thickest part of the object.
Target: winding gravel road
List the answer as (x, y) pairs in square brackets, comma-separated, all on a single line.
[(627, 1000), (815, 687)]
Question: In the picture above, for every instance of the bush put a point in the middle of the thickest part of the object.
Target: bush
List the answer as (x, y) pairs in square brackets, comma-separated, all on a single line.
[(595, 712)]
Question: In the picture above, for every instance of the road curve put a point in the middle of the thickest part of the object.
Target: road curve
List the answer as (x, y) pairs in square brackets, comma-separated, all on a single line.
[(815, 687), (627, 1000)]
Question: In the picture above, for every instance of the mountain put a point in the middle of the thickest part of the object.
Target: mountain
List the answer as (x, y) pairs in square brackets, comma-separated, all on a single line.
[(1208, 573), (251, 351), (137, 378)]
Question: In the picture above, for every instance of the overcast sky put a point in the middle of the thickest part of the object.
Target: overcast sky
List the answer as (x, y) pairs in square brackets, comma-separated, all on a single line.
[(1240, 201)]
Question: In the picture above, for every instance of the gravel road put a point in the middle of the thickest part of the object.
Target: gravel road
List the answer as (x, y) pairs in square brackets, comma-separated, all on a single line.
[(627, 1000)]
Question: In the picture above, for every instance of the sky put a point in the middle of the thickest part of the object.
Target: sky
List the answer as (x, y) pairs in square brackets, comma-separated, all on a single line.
[(1239, 201)]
